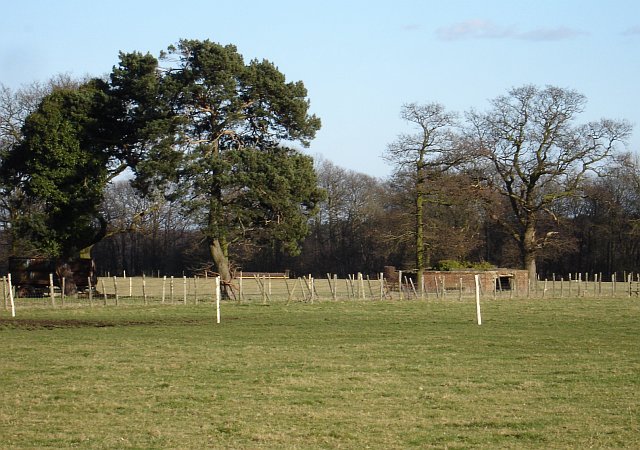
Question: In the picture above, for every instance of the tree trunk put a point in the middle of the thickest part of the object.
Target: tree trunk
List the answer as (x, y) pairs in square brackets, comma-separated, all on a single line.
[(64, 270), (530, 266), (420, 264), (529, 251), (221, 259)]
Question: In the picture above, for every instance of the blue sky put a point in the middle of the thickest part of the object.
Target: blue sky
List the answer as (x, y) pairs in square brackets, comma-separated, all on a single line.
[(360, 60)]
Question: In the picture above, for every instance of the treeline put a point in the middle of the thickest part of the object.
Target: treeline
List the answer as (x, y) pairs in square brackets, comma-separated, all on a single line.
[(209, 146), (366, 223)]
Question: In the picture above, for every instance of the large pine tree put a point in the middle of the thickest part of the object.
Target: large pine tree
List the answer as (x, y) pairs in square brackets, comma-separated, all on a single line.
[(221, 132)]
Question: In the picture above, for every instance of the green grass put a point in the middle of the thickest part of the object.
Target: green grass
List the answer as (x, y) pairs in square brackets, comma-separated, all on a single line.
[(353, 374)]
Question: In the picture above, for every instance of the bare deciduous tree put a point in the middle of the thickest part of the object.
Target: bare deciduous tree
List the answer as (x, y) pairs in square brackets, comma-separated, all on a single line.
[(344, 227), (431, 149), (539, 156)]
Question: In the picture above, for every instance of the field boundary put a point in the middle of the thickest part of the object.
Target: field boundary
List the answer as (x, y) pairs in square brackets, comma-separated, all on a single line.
[(265, 289)]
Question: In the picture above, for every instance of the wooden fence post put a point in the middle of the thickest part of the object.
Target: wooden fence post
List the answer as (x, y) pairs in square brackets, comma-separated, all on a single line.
[(370, 288), (115, 288), (104, 292), (333, 295), (268, 277), (4, 291), (289, 293), (613, 285), (444, 288), (413, 286), (261, 287), (11, 299), (90, 292), (184, 289), (579, 284), (599, 284), (62, 295), (52, 293), (144, 288), (513, 285)]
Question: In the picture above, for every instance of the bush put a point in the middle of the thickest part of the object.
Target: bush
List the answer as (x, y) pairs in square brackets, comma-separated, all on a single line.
[(454, 264)]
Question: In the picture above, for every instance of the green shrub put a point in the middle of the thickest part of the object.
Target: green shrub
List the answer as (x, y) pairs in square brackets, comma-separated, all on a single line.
[(454, 264)]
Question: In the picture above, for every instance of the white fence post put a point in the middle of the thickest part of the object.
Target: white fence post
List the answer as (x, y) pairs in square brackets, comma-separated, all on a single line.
[(11, 299), (184, 289), (52, 294), (477, 277), (218, 299)]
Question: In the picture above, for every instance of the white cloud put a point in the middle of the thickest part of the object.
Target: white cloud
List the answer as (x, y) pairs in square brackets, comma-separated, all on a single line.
[(550, 34), (473, 29), (632, 31), (486, 29), (412, 27)]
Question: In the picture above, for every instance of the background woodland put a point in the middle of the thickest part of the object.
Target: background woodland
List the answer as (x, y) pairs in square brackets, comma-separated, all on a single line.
[(179, 168)]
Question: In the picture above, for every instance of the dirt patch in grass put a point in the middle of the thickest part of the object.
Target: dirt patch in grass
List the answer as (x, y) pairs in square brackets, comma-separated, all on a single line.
[(51, 324)]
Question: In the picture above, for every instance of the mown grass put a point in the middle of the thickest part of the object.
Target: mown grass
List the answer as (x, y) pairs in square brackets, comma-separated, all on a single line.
[(353, 374)]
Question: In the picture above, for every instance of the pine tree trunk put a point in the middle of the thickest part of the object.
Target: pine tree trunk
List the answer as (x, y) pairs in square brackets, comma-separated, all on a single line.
[(221, 259)]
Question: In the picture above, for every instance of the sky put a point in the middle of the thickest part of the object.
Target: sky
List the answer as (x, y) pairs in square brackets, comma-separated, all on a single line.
[(360, 60)]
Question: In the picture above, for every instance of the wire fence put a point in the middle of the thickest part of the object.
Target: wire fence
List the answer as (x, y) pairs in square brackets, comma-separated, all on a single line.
[(262, 288)]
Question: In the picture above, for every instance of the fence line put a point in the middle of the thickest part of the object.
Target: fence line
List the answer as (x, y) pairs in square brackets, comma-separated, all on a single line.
[(265, 289)]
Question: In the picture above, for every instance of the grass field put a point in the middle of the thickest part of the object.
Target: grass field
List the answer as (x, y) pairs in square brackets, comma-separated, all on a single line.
[(350, 374)]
